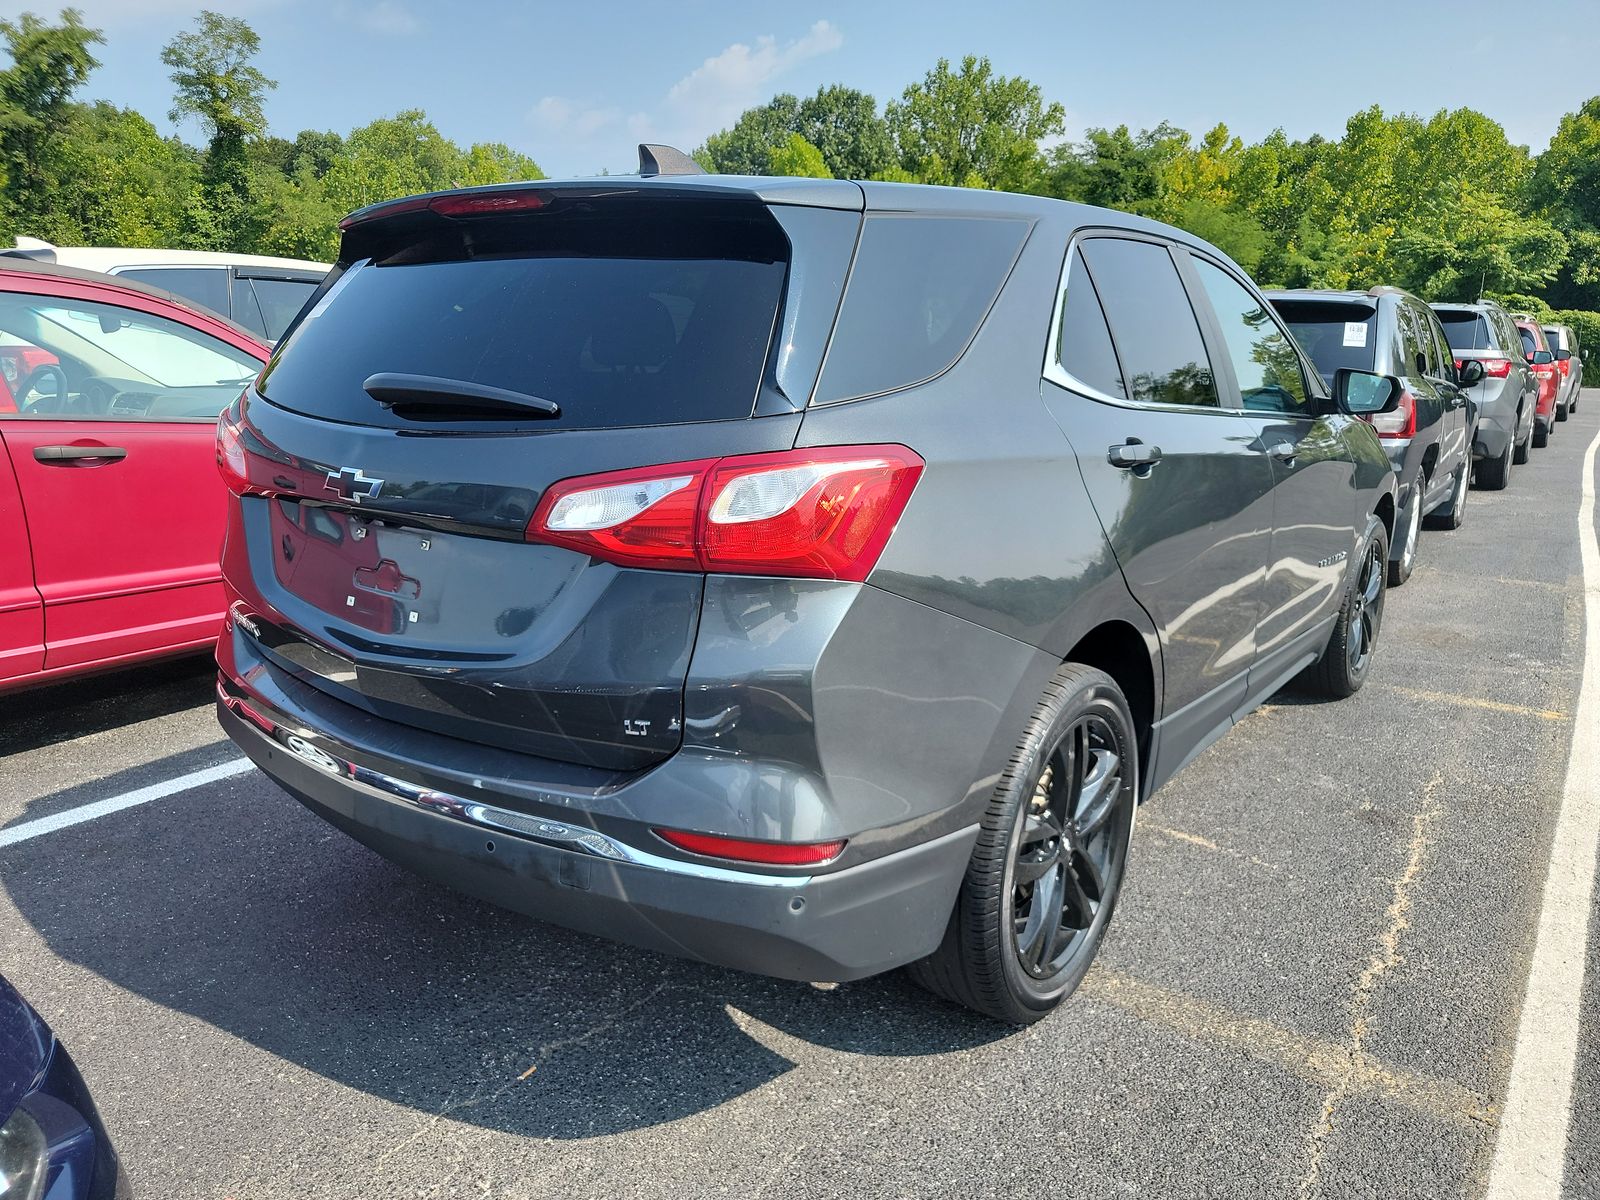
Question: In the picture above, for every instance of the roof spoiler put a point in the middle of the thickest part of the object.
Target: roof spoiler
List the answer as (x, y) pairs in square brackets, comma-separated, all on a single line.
[(666, 160)]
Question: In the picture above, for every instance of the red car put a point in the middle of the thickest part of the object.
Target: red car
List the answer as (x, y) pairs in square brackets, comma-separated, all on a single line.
[(1543, 360), (111, 508)]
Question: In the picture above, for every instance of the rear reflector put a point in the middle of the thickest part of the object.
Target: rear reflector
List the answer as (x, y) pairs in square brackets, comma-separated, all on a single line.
[(822, 513), (771, 854)]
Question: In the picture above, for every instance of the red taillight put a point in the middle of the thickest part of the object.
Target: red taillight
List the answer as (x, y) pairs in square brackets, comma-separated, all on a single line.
[(1401, 423), (823, 513), (1493, 368), (1566, 366), (461, 204), (230, 455), (771, 854)]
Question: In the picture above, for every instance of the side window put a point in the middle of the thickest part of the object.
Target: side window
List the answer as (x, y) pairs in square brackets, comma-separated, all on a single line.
[(80, 360), (1083, 343), (1442, 354), (280, 301), (1263, 355), (1529, 342), (1152, 322), (919, 289), (1410, 356), (206, 286)]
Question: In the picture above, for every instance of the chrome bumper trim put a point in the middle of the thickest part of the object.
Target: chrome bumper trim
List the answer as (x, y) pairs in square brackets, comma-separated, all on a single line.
[(557, 834)]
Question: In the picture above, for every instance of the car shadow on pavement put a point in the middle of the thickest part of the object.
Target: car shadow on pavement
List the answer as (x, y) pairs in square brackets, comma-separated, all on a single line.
[(241, 909), (44, 716)]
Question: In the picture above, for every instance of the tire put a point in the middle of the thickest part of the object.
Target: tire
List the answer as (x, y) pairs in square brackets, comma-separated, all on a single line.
[(1452, 513), (1541, 435), (1341, 671), (1494, 475), (1522, 452), (1400, 568), (1040, 806), (1561, 412)]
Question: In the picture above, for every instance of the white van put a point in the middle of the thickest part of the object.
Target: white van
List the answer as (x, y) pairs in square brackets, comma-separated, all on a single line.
[(257, 291)]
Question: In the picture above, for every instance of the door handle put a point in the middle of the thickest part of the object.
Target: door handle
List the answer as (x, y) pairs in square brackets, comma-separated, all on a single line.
[(61, 456), (1284, 451), (1133, 454)]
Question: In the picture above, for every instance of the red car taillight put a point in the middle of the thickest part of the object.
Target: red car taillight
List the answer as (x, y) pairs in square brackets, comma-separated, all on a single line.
[(821, 513), (230, 455), (1401, 423), (771, 854), (1493, 368)]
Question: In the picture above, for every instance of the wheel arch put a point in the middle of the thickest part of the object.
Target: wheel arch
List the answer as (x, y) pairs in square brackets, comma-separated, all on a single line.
[(1120, 650)]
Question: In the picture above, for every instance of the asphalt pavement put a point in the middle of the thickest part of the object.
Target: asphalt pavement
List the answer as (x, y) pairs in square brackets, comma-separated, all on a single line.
[(1312, 986)]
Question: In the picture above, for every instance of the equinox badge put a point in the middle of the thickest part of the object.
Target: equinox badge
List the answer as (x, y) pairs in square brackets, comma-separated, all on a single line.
[(351, 484)]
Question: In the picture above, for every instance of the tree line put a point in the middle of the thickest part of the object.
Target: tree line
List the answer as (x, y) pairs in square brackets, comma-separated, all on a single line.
[(1446, 206), (99, 175)]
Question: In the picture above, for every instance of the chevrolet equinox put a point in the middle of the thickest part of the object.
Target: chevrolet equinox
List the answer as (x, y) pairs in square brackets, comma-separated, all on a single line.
[(803, 576)]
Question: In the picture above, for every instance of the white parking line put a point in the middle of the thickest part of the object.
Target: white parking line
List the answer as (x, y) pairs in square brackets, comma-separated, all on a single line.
[(1531, 1150), (100, 808)]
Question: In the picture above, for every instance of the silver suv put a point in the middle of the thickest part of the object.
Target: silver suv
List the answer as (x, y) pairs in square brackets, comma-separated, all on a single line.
[(1506, 396)]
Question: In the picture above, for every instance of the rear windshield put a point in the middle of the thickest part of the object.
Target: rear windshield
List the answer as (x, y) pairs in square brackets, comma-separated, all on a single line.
[(1466, 330), (1333, 335), (638, 319)]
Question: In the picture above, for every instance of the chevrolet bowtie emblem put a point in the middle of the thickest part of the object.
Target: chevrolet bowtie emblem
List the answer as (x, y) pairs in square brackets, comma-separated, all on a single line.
[(351, 484)]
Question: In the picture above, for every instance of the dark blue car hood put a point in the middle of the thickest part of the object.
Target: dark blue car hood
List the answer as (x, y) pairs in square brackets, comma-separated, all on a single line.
[(25, 1045)]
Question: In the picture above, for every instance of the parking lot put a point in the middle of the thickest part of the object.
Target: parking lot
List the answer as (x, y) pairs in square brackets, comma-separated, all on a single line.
[(1312, 987)]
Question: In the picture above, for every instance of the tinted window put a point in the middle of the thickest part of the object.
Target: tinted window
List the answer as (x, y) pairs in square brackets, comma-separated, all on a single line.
[(1506, 336), (621, 321), (1264, 359), (1552, 337), (1466, 330), (1411, 354), (1333, 334), (78, 360), (1083, 343), (1529, 342), (278, 300), (919, 289), (1157, 336), (207, 286)]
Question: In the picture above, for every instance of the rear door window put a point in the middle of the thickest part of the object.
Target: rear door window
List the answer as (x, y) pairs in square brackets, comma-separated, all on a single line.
[(1333, 334), (1083, 343), (640, 318), (920, 288), (278, 301), (206, 286), (1530, 344), (1152, 322)]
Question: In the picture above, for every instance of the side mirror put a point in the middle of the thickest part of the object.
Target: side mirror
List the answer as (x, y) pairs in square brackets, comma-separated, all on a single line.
[(1542, 358), (1563, 355), (1364, 394), (1471, 374)]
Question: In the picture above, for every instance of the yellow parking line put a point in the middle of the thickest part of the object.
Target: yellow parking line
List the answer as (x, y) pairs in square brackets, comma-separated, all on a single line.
[(1519, 710), (1326, 1063)]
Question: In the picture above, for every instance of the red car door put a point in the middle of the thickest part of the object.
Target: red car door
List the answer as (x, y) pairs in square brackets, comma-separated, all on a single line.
[(112, 452)]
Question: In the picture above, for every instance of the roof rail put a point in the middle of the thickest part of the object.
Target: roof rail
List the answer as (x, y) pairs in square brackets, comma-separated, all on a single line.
[(666, 160)]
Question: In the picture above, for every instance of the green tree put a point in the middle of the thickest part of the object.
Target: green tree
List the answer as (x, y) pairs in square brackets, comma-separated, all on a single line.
[(1564, 186), (973, 127), (844, 125), (118, 182), (796, 156), (746, 148), (48, 64), (217, 84)]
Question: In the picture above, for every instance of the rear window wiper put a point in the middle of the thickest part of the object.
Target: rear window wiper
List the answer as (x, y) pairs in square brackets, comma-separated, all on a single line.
[(432, 396)]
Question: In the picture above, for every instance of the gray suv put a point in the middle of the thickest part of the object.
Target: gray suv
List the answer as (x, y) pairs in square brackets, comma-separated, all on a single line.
[(1429, 437), (1505, 397), (803, 576)]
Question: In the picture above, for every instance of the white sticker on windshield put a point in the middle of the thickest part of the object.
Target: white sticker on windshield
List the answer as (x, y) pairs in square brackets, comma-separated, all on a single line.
[(1355, 333)]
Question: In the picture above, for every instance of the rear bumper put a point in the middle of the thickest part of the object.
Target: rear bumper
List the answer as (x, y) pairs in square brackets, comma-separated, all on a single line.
[(837, 925)]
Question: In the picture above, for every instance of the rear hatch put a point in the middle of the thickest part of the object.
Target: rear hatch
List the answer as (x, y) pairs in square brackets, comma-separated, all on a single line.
[(462, 359), (1471, 336)]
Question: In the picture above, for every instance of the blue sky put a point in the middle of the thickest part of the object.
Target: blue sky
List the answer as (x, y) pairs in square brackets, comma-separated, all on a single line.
[(576, 85)]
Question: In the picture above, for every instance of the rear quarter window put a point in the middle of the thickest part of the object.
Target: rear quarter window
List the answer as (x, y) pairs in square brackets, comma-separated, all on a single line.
[(918, 292)]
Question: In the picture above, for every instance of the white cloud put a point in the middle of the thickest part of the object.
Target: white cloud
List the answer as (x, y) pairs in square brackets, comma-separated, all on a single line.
[(388, 18), (558, 115)]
